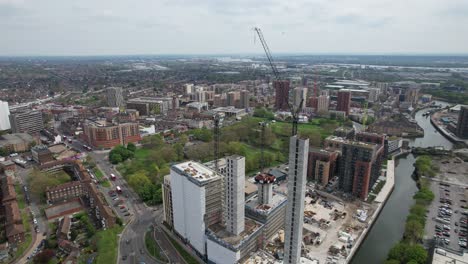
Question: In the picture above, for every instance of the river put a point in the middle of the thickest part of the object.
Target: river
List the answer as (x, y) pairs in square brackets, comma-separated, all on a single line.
[(389, 227)]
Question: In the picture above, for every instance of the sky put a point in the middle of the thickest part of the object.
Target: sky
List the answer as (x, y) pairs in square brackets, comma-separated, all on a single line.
[(126, 27)]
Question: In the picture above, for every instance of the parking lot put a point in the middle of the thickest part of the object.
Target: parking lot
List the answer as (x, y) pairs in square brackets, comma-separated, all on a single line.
[(446, 219)]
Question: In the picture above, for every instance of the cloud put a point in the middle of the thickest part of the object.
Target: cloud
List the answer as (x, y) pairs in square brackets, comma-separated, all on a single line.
[(224, 26)]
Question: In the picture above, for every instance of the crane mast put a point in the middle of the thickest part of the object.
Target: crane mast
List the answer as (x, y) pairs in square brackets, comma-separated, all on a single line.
[(268, 53)]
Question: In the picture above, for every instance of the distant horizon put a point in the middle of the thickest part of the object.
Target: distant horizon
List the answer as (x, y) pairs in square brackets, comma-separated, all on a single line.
[(243, 54)]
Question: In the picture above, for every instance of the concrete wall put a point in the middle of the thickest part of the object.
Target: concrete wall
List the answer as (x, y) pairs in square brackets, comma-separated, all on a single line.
[(188, 201), (221, 255)]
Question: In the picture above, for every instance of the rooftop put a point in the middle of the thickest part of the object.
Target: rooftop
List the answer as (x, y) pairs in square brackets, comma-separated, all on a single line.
[(219, 234), (277, 200), (195, 171)]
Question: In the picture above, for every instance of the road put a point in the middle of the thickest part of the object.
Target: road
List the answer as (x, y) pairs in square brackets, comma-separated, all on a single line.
[(132, 244), (22, 175)]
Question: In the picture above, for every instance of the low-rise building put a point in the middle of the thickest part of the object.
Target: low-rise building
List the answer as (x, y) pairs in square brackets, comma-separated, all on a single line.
[(17, 142), (41, 154)]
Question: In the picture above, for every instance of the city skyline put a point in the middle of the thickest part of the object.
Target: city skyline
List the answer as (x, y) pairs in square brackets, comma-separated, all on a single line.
[(225, 27)]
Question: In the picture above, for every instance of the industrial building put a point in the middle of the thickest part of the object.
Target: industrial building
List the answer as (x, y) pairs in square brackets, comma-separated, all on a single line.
[(4, 116), (30, 122), (298, 150), (114, 97)]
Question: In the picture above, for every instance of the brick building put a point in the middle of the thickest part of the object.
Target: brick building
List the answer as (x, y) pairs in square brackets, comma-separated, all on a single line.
[(282, 94), (103, 134), (344, 101), (322, 165)]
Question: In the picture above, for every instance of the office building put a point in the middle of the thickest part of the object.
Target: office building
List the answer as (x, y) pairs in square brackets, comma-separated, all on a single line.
[(344, 101), (298, 151), (359, 167), (4, 116), (103, 134), (321, 165), (462, 125), (152, 105), (322, 104), (234, 200), (115, 97), (299, 95), (244, 99), (282, 94), (30, 122)]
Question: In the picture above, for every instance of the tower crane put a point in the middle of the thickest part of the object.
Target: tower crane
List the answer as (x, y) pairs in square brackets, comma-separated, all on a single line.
[(294, 112)]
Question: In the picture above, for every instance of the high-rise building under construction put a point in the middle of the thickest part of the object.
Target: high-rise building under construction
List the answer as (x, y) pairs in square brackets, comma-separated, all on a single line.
[(298, 151)]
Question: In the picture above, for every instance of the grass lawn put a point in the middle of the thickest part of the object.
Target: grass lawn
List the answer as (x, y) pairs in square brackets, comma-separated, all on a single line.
[(141, 153), (20, 196), (98, 173), (107, 245), (187, 257), (105, 183), (153, 247)]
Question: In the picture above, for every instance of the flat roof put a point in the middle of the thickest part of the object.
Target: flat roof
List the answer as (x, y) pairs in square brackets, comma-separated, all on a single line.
[(276, 200), (195, 171), (219, 234), (442, 256)]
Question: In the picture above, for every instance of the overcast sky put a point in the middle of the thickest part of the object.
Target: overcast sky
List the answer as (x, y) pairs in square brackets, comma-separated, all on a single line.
[(106, 27)]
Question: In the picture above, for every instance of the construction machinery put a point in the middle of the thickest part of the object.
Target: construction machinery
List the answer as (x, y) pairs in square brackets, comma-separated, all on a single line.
[(294, 112)]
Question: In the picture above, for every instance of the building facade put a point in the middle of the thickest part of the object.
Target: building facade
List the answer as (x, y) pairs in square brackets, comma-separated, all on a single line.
[(234, 200), (299, 95), (30, 122), (344, 101), (282, 94), (4, 116), (101, 134), (462, 125), (244, 99), (321, 166), (322, 103), (298, 150), (115, 97)]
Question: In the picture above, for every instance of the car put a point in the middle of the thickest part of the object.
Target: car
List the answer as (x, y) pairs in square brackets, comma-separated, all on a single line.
[(124, 257), (127, 241), (127, 214), (35, 221), (115, 198), (456, 223), (141, 251), (111, 192), (122, 207)]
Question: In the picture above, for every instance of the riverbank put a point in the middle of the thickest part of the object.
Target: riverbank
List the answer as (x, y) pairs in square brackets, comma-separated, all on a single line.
[(380, 200), (445, 133)]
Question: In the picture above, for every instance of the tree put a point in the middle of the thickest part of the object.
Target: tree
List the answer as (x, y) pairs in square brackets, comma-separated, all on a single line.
[(264, 113), (414, 231), (416, 253), (4, 152), (138, 180), (115, 158), (131, 147), (44, 257), (203, 134), (392, 261)]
